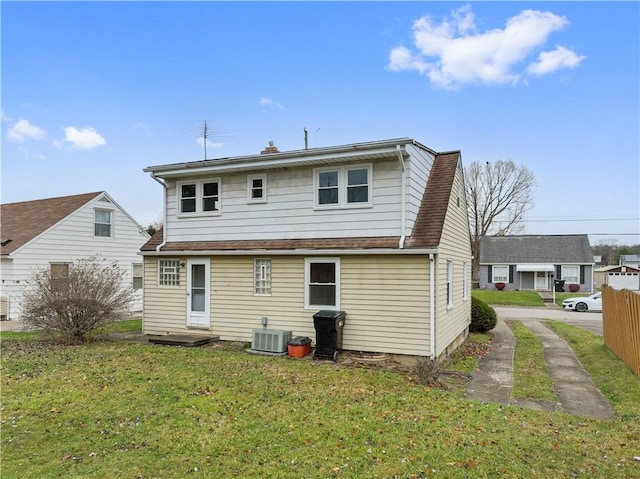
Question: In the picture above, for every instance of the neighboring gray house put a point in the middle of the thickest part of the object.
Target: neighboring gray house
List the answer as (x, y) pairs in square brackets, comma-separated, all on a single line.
[(533, 262)]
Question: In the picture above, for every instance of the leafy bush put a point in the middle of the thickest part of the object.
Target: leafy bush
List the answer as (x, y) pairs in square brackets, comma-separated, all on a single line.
[(74, 301), (574, 288), (500, 286), (483, 316)]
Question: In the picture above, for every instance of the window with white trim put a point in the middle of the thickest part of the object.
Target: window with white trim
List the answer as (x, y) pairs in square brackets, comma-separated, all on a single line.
[(465, 280), (257, 188), (102, 223), (344, 187), (262, 276), (199, 197), (137, 275), (168, 272), (500, 273), (571, 274), (322, 283), (449, 283)]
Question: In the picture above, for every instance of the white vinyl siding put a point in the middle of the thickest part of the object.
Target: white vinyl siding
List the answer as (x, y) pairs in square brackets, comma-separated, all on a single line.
[(289, 212), (262, 276), (500, 273), (71, 239)]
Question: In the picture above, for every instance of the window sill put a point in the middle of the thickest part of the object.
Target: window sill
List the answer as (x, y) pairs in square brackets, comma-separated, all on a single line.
[(187, 216), (354, 206)]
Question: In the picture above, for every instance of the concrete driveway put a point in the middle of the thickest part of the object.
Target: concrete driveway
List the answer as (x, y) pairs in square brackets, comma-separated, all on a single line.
[(591, 320)]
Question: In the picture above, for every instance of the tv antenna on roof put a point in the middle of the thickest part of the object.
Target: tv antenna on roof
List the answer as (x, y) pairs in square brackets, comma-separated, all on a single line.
[(203, 132)]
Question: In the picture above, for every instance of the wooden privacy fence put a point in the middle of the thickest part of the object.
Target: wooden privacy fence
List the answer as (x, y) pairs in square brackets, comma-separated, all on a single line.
[(621, 325)]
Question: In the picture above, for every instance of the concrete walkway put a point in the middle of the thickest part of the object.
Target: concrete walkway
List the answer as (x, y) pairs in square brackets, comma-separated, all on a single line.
[(577, 394)]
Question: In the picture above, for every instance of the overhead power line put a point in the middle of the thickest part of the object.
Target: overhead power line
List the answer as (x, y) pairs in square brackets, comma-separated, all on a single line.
[(579, 219)]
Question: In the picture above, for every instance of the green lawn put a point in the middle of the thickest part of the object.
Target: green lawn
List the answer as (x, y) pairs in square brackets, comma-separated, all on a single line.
[(128, 410), (513, 298)]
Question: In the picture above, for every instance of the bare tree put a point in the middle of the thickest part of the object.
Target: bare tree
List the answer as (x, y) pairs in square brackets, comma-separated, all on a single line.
[(498, 194), (72, 300)]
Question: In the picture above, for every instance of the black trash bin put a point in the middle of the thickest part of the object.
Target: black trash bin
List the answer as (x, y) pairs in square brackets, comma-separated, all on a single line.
[(329, 326), (559, 285)]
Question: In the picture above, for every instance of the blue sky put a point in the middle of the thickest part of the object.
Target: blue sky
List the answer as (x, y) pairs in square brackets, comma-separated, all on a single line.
[(94, 92)]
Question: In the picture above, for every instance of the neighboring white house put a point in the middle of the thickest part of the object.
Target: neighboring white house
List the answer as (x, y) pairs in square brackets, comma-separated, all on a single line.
[(378, 230), (54, 232)]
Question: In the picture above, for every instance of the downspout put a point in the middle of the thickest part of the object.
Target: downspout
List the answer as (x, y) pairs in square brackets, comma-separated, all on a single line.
[(403, 214), (432, 307), (164, 212)]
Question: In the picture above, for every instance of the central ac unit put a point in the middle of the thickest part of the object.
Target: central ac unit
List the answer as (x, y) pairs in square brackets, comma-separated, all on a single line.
[(270, 340)]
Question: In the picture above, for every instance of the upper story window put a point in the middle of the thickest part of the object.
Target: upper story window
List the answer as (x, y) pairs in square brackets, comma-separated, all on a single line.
[(102, 223), (344, 187), (199, 197), (257, 188)]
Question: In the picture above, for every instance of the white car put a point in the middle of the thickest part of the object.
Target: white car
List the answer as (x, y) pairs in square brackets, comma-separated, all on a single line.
[(584, 303)]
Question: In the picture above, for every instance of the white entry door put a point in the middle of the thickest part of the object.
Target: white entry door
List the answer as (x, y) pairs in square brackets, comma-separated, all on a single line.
[(198, 293), (541, 280)]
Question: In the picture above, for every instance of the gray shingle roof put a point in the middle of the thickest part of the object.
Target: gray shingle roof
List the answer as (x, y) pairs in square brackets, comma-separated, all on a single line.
[(554, 249)]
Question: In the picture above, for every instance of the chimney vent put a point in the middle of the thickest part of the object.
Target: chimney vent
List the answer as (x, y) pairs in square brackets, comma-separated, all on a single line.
[(270, 149)]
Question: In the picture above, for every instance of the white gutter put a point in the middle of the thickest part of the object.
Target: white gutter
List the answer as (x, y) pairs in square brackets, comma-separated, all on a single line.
[(292, 252), (403, 214), (164, 212), (432, 311)]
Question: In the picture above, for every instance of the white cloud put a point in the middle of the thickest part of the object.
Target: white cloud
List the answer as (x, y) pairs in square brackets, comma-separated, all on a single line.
[(23, 130), (454, 52), (269, 102), (554, 60), (83, 138)]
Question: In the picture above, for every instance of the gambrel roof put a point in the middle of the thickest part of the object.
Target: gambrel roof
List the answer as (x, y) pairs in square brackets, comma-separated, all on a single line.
[(548, 249), (21, 222), (427, 230)]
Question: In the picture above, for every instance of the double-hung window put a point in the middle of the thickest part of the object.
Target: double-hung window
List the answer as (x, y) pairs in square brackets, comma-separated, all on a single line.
[(571, 274), (102, 223), (199, 197), (343, 187), (449, 283), (168, 272), (59, 277), (322, 283), (500, 273), (257, 188), (262, 276), (137, 275)]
